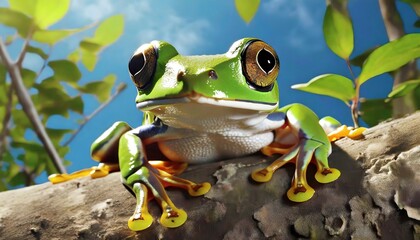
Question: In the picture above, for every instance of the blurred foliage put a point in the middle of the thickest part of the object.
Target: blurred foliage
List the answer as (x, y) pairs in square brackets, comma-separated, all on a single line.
[(339, 37), (22, 155)]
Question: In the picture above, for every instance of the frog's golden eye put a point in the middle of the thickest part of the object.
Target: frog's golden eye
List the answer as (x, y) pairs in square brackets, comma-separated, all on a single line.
[(260, 65), (142, 65)]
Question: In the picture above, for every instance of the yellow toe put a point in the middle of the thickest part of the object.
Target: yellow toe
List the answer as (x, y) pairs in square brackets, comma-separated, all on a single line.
[(199, 189), (262, 175), (174, 219), (295, 196), (328, 175), (140, 224)]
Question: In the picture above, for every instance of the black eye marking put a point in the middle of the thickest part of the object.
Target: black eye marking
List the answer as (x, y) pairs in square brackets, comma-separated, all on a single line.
[(136, 64), (266, 61)]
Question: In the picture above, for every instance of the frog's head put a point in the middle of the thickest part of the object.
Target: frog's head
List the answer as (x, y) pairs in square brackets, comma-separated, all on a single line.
[(244, 77)]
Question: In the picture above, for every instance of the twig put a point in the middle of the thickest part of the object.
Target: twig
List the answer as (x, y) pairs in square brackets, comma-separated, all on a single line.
[(29, 108), (120, 88), (5, 130)]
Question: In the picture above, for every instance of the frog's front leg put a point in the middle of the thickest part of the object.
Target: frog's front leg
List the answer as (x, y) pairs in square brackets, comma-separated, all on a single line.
[(142, 178), (302, 141)]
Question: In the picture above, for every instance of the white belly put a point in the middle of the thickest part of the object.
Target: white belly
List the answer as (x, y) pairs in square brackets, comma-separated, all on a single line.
[(213, 147)]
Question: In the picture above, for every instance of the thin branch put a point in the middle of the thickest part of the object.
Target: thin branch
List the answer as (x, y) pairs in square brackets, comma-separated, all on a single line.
[(22, 54), (6, 120), (29, 108), (44, 64), (120, 88), (395, 29)]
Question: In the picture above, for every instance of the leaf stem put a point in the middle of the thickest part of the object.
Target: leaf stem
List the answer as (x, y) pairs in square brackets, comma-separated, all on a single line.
[(29, 107), (120, 88)]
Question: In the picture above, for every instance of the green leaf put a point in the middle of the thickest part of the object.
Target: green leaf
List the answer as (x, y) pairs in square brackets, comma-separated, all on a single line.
[(90, 46), (28, 77), (16, 20), (404, 88), (37, 51), (27, 7), (390, 56), (89, 59), (360, 59), (374, 111), (49, 12), (51, 37), (332, 85), (101, 89), (76, 104), (338, 32), (65, 70), (56, 134), (3, 72), (107, 32), (74, 56), (44, 12), (247, 9)]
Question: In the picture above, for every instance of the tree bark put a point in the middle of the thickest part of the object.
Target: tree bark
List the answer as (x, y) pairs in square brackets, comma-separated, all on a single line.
[(377, 196)]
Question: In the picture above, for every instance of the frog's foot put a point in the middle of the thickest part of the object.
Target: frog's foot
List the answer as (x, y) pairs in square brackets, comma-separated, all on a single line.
[(148, 179), (301, 154), (173, 168), (99, 171), (345, 131)]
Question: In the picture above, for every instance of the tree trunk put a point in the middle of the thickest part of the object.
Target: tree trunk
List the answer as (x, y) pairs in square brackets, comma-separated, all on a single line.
[(377, 196)]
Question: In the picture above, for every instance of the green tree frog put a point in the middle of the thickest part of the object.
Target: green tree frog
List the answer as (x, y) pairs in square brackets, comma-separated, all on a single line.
[(199, 109)]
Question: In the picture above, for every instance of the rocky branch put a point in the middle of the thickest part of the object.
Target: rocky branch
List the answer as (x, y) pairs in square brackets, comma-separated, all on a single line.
[(377, 196)]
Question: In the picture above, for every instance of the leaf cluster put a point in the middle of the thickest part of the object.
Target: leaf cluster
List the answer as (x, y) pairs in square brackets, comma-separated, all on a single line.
[(22, 155)]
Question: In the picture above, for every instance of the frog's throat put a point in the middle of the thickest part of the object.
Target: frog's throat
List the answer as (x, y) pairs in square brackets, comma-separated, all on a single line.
[(238, 103)]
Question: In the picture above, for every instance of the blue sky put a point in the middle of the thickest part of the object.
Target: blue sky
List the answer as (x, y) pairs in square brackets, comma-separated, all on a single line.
[(293, 28)]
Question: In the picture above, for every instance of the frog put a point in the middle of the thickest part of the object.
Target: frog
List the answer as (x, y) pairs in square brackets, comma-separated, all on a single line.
[(205, 108)]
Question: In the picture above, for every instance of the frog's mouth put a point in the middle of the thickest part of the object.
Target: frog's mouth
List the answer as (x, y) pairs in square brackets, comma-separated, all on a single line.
[(200, 99)]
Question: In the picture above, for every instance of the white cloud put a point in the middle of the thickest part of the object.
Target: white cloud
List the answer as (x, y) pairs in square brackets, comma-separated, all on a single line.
[(144, 24), (304, 16), (99, 9), (184, 35)]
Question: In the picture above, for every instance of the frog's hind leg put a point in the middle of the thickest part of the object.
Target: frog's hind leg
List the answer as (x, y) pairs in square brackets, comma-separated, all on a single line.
[(324, 173)]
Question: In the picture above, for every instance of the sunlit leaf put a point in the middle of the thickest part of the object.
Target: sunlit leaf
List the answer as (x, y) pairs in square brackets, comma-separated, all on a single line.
[(391, 56), (65, 70), (16, 20), (28, 145), (332, 85), (37, 51), (247, 9), (51, 37), (404, 88), (108, 31), (338, 32), (27, 7), (374, 111), (89, 59), (44, 12), (49, 12), (101, 89), (74, 56)]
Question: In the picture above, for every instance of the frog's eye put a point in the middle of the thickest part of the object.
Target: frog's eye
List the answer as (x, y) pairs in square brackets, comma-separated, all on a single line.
[(260, 65), (142, 65)]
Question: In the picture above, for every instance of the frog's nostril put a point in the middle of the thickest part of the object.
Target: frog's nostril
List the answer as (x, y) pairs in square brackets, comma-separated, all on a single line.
[(180, 75), (213, 75)]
